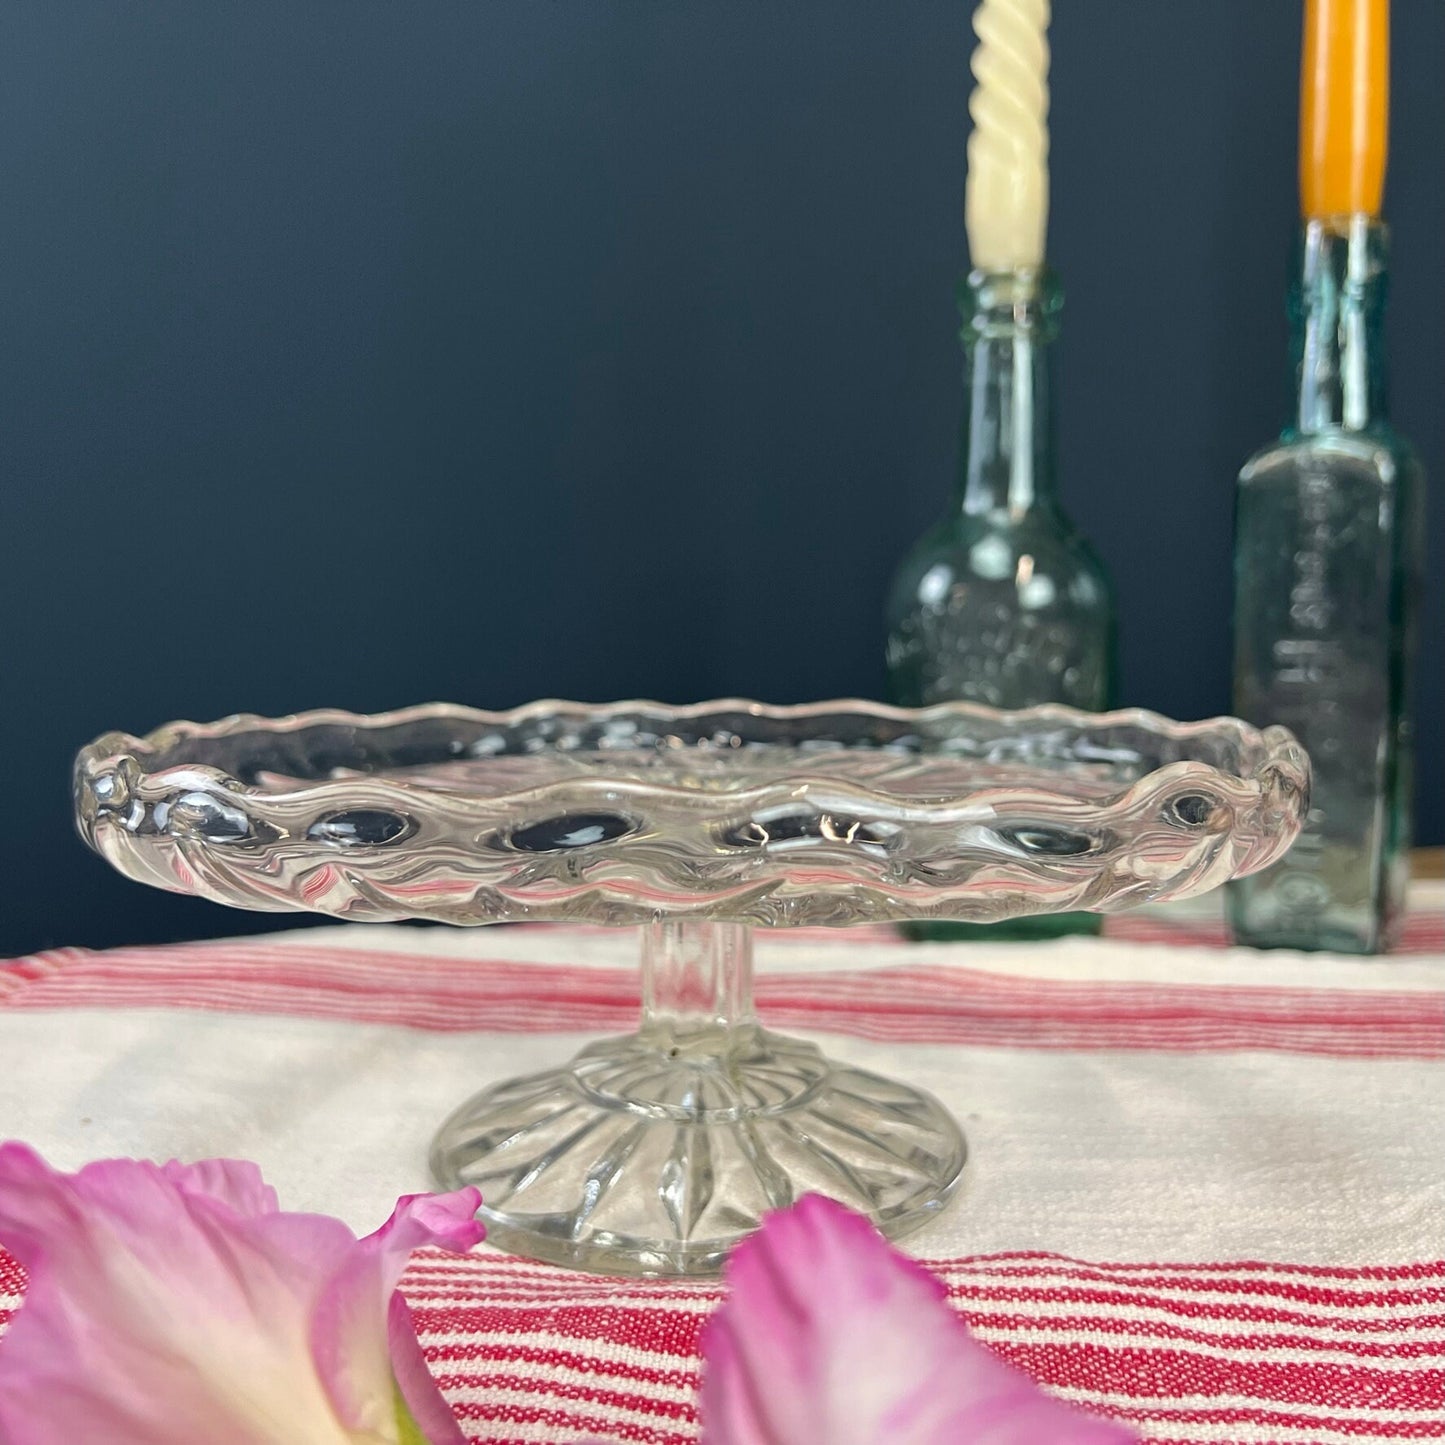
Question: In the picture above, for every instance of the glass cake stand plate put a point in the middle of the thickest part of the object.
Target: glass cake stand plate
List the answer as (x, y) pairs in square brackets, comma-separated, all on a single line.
[(653, 1153)]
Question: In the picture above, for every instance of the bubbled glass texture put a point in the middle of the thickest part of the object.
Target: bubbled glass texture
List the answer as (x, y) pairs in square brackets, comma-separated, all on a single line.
[(834, 813), (1001, 610)]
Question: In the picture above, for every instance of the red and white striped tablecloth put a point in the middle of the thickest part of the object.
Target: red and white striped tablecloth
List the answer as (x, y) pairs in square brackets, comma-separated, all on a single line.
[(1206, 1191)]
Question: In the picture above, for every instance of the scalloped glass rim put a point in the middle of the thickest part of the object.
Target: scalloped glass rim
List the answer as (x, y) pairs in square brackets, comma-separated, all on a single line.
[(825, 813)]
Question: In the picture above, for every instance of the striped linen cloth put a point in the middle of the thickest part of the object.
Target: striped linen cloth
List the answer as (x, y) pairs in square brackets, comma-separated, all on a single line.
[(1206, 1192)]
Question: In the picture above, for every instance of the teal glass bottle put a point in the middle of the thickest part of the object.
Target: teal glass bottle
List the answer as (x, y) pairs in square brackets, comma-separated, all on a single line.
[(1003, 602), (1329, 532)]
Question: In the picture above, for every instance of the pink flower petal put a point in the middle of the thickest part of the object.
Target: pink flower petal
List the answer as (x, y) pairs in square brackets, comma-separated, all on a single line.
[(236, 1182), (174, 1304), (139, 1290), (355, 1334), (419, 1392), (829, 1336)]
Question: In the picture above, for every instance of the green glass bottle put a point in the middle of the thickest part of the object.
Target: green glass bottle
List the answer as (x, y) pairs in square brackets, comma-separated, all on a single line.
[(1329, 533), (1004, 602)]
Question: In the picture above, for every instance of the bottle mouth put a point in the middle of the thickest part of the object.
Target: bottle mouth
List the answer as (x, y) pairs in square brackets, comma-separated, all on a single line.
[(1342, 261), (1026, 301), (1347, 226)]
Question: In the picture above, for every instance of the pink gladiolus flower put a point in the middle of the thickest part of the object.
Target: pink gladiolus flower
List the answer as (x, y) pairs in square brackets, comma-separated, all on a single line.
[(829, 1336), (174, 1304)]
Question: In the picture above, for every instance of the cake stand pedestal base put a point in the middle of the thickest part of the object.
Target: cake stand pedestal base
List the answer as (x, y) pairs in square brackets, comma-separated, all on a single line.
[(656, 1152)]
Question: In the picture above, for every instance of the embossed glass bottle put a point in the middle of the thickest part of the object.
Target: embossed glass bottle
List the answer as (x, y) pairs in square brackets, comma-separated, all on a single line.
[(1328, 536), (1004, 602)]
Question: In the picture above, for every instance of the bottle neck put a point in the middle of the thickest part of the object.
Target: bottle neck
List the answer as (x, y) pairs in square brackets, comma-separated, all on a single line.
[(1006, 448), (1336, 309)]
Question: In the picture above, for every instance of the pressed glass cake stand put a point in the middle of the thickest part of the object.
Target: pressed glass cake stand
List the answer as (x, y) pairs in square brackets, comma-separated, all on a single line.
[(653, 1153)]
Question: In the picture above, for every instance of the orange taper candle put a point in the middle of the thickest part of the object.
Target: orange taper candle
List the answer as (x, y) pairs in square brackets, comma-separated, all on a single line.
[(1344, 105)]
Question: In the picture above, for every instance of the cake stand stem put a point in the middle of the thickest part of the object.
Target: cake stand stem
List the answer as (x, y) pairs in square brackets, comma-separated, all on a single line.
[(697, 978)]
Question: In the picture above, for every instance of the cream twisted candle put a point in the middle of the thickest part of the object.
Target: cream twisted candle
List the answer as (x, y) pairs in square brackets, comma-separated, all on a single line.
[(1006, 204)]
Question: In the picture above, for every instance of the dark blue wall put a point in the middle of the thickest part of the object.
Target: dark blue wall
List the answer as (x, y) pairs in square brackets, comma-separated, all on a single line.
[(361, 354)]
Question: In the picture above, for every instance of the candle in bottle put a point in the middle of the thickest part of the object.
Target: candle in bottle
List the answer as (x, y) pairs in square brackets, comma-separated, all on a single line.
[(1344, 103), (1003, 602), (1006, 205), (1329, 530)]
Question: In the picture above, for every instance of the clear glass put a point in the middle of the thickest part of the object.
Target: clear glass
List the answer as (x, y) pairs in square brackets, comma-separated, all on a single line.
[(1004, 602), (1328, 539), (655, 1152)]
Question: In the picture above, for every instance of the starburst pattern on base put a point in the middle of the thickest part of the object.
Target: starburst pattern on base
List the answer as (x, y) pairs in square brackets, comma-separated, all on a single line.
[(656, 1152)]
